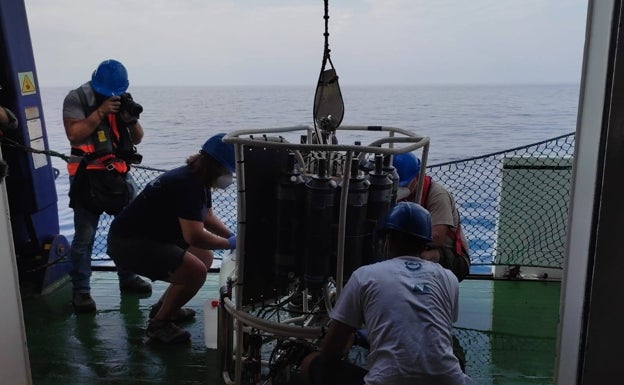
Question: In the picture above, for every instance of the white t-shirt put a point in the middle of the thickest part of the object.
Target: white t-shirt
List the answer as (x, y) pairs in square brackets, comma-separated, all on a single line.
[(407, 306)]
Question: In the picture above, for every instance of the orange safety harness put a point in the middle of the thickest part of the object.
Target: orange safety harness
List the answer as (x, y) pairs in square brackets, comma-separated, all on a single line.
[(98, 150), (454, 235)]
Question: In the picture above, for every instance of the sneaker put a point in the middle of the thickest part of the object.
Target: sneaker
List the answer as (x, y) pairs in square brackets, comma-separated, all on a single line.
[(83, 303), (181, 315), (167, 332), (136, 285)]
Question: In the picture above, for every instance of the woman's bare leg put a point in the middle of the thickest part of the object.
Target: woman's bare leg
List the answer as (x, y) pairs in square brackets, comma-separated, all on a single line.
[(206, 256), (185, 282)]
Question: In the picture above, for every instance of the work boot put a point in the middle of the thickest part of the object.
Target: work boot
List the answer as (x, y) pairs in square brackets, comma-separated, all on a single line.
[(136, 285), (83, 303), (181, 315), (166, 331)]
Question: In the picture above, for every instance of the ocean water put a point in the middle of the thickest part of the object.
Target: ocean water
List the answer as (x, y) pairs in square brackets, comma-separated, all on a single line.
[(461, 121)]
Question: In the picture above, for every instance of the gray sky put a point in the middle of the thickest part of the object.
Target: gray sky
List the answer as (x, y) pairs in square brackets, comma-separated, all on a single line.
[(280, 42)]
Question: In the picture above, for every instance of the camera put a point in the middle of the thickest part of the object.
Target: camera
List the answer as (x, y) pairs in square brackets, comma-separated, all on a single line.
[(129, 154), (128, 104), (135, 158)]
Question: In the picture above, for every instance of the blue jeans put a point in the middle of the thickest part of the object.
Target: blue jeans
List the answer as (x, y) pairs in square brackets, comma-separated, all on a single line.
[(85, 227)]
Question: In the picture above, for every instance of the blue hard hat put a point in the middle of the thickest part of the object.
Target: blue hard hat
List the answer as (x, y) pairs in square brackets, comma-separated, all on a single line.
[(409, 218), (110, 78), (221, 151), (407, 166)]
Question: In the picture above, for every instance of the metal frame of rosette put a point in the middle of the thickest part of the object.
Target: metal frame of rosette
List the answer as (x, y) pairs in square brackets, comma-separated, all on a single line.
[(234, 318)]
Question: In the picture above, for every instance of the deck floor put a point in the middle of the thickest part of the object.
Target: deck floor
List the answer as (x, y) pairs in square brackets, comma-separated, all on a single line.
[(506, 328), (110, 347)]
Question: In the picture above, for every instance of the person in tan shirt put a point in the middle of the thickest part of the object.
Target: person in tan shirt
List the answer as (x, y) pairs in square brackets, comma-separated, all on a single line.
[(449, 246)]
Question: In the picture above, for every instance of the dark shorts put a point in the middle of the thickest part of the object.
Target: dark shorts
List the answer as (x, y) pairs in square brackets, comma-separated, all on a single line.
[(146, 257), (458, 264)]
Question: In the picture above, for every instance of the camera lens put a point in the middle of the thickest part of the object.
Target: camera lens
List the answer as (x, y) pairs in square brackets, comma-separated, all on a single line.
[(133, 108)]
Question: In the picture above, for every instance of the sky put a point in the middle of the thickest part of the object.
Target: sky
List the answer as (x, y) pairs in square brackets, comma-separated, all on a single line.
[(280, 42)]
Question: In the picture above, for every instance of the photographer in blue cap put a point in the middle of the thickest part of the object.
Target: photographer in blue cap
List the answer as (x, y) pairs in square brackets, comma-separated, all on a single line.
[(102, 126), (169, 232)]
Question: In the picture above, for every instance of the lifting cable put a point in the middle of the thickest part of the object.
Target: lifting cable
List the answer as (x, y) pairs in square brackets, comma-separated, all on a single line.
[(328, 104), (5, 141)]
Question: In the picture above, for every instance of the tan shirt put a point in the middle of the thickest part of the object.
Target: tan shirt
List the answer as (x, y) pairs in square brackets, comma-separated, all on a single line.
[(441, 205)]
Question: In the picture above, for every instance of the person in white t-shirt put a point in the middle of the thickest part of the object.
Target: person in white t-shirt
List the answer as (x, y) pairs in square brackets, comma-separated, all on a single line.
[(406, 305)]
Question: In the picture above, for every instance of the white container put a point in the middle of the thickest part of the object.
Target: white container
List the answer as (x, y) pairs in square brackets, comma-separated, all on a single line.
[(228, 268), (211, 314), (227, 271)]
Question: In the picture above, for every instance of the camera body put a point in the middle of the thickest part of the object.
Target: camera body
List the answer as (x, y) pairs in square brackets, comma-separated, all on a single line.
[(131, 157), (128, 104), (125, 149)]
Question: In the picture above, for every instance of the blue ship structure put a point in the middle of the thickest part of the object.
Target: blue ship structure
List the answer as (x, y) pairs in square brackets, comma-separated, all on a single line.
[(41, 252)]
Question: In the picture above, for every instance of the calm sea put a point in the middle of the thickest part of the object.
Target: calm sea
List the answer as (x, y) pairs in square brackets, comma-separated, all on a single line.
[(461, 121)]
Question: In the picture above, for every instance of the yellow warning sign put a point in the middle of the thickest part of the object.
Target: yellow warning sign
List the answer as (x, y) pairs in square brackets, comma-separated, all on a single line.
[(27, 84)]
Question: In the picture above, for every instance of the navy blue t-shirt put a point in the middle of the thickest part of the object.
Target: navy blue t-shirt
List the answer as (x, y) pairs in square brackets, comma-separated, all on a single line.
[(154, 213)]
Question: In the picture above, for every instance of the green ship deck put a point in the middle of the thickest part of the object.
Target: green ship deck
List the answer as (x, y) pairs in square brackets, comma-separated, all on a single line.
[(506, 328)]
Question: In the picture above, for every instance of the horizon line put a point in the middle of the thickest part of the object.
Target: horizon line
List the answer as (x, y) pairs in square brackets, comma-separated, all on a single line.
[(349, 84)]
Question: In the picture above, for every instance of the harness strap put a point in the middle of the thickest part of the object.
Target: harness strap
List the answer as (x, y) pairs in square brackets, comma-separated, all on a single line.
[(98, 160), (454, 235), (113, 124), (425, 190), (459, 246), (109, 162), (412, 186)]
